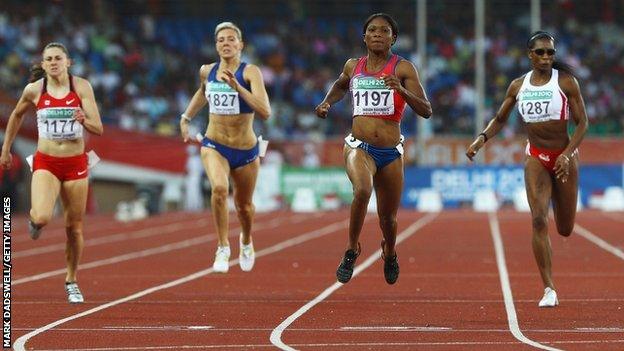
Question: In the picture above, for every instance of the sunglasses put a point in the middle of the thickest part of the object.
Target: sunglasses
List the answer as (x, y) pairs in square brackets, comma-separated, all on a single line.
[(541, 52)]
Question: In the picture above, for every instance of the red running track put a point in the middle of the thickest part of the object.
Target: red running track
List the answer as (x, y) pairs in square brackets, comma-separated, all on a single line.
[(148, 286)]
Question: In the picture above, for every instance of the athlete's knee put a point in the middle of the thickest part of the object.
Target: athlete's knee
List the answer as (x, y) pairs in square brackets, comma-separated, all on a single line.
[(245, 209), (73, 232), (362, 193), (219, 194), (40, 219), (387, 221), (540, 223)]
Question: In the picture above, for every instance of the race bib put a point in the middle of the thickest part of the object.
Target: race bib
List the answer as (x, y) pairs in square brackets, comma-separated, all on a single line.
[(372, 97), (223, 100), (58, 123), (535, 106)]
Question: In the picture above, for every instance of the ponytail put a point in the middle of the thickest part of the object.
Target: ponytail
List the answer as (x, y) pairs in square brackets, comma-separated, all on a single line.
[(564, 67), (36, 72)]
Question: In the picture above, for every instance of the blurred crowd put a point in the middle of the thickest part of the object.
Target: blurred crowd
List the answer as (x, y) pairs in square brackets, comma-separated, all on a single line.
[(143, 57)]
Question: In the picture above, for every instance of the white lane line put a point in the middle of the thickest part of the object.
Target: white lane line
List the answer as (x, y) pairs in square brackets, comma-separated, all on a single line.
[(136, 234), (512, 318), (237, 301), (395, 329), (151, 251), (414, 345), (598, 241), (604, 330), (276, 334), (20, 343)]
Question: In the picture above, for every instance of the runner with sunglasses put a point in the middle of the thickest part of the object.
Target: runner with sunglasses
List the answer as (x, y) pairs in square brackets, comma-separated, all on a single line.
[(546, 98)]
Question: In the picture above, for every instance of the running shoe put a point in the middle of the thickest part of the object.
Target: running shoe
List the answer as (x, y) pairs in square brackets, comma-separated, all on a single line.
[(33, 230), (345, 269), (73, 293), (549, 299), (247, 256), (222, 259), (391, 266)]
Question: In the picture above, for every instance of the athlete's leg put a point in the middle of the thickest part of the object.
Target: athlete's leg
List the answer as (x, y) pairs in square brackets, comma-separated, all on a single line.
[(388, 188), (564, 198), (244, 179), (74, 197), (45, 188), (538, 182), (360, 169), (217, 170)]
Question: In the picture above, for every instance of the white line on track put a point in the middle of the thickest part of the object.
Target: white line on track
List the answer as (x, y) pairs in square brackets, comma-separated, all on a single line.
[(151, 251), (512, 318), (276, 334), (135, 234), (598, 241), (186, 329), (20, 343), (359, 345)]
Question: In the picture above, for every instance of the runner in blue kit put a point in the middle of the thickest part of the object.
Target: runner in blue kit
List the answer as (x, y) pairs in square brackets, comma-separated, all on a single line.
[(381, 84), (547, 97), (234, 91)]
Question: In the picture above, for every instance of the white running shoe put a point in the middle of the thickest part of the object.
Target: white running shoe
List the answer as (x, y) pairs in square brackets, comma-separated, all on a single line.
[(222, 259), (73, 293), (549, 299), (247, 257)]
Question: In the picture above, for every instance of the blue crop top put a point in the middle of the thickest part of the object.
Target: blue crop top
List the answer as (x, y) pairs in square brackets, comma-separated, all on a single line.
[(222, 99)]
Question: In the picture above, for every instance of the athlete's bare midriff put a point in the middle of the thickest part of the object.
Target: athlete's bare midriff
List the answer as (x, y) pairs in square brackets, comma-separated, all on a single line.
[(376, 131), (550, 135), (233, 131), (61, 148)]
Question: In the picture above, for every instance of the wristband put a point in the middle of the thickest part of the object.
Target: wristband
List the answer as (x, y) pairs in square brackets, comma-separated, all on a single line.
[(184, 117), (485, 137)]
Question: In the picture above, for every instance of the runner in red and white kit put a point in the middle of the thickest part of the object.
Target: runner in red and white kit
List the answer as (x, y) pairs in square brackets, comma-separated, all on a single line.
[(381, 83), (546, 98), (65, 107)]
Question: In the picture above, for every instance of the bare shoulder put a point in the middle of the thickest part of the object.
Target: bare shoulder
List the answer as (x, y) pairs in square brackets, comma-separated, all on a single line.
[(204, 70), (81, 83), (251, 68), (567, 81), (405, 67), (32, 90), (349, 66), (515, 85)]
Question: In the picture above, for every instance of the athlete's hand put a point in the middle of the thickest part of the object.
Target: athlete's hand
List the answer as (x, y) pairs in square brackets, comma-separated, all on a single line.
[(474, 147), (322, 109), (6, 160), (392, 82), (79, 116), (184, 129), (562, 167), (230, 79)]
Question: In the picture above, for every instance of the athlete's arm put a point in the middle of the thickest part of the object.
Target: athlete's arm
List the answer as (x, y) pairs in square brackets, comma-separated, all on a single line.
[(89, 116), (338, 89), (571, 89), (257, 98), (197, 102), (15, 122), (498, 122), (411, 90)]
